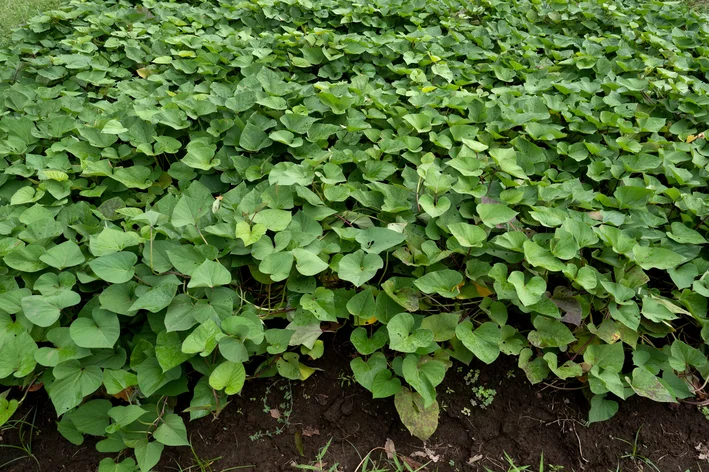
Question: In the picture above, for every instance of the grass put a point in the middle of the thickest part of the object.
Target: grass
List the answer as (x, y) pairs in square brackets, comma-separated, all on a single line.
[(634, 453), (16, 12), (25, 438), (368, 464)]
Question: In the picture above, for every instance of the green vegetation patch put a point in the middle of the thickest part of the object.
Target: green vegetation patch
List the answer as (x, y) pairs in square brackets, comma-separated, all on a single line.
[(192, 193), (15, 12)]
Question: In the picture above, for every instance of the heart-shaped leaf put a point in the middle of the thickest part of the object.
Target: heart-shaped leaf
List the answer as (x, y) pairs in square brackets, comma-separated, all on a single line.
[(421, 421)]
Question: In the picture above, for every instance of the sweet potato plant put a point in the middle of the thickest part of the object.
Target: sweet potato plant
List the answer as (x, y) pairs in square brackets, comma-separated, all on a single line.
[(194, 194)]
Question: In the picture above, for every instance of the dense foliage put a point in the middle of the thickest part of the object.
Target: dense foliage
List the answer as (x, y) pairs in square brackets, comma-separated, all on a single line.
[(192, 193)]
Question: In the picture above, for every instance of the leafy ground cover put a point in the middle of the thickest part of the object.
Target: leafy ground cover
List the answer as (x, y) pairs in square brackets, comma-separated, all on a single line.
[(194, 194)]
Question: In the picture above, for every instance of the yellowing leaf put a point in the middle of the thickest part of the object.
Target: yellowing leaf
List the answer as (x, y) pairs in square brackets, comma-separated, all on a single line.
[(482, 290), (359, 321), (144, 72)]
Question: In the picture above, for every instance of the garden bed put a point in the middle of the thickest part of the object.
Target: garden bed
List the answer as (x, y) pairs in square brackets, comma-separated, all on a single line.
[(477, 197)]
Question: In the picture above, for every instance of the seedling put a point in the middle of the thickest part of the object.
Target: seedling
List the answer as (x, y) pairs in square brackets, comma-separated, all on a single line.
[(346, 379), (282, 413), (482, 396)]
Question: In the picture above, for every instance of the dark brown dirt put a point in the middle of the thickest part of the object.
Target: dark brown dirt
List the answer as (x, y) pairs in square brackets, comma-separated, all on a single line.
[(523, 421)]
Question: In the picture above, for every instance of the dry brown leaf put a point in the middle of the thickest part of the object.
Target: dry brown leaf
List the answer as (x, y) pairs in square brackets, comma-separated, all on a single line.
[(275, 414), (412, 463), (310, 431), (389, 448), (124, 394)]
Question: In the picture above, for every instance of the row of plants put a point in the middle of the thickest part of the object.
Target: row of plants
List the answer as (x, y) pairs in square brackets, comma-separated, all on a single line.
[(194, 193)]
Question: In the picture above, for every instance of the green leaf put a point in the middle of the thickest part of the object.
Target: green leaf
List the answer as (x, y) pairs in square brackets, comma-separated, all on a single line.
[(536, 370), (308, 263), (531, 292), (250, 234), (289, 366), (126, 465), (17, 355), (115, 268), (647, 385), (133, 177), (321, 303), (168, 350), (493, 214), (483, 342), (101, 331), (385, 384), (61, 256), (362, 306), (172, 431), (44, 311), (189, 211), (200, 154), (297, 123), (434, 209), (91, 417), (365, 372), (404, 337), (26, 259), (155, 299), (110, 241), (148, 454), (683, 235), (366, 345), (272, 219), (468, 235), (443, 325), (116, 381), (601, 409), (375, 239), (424, 375), (7, 409), (278, 265), (209, 274), (537, 256), (253, 138), (684, 355), (185, 259), (151, 376), (445, 283), (419, 121), (114, 127), (203, 339), (72, 383), (123, 416), (550, 333), (228, 376), (656, 258), (359, 267)]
